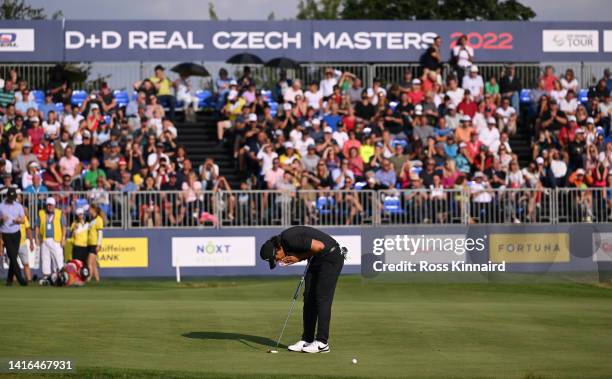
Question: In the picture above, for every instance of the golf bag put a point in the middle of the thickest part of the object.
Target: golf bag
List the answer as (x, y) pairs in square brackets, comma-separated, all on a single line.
[(74, 273)]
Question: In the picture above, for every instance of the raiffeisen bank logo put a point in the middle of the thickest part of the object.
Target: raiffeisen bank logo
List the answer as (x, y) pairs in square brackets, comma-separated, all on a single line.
[(16, 40)]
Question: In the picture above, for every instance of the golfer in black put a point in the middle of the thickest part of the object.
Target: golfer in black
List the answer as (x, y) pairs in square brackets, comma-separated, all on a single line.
[(326, 260)]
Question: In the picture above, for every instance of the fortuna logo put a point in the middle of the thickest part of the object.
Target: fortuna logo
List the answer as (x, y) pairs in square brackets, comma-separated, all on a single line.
[(7, 39)]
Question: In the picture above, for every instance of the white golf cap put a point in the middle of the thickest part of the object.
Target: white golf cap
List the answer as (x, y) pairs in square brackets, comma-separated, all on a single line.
[(287, 106), (288, 145), (491, 120), (316, 121), (473, 68), (452, 106), (328, 130), (418, 107), (479, 174), (589, 120), (571, 118), (462, 144), (416, 81), (466, 118), (579, 131), (252, 117), (95, 106), (50, 201), (580, 171), (540, 160), (367, 130), (80, 211), (233, 83), (278, 132)]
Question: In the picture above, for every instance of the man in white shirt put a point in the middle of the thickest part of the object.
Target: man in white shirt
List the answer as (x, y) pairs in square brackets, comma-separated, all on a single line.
[(474, 83), (314, 96), (503, 140), (490, 135), (375, 91), (454, 91), (266, 156), (302, 144), (72, 119), (340, 135), (569, 104), (506, 117), (293, 91), (331, 79), (274, 175)]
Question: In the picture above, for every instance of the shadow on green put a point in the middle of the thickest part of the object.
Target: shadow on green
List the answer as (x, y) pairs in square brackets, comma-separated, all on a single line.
[(246, 339)]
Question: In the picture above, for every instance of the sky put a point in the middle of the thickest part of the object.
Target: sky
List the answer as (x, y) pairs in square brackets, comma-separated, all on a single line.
[(546, 10)]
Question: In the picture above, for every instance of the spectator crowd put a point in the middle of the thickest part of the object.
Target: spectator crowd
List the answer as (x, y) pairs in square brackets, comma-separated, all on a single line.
[(439, 130)]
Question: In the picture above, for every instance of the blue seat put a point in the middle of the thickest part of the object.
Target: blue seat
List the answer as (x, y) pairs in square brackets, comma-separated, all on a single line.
[(360, 185), (583, 96), (266, 95), (122, 97), (392, 205), (107, 119), (203, 96), (326, 205), (524, 96), (59, 108), (78, 97), (39, 96)]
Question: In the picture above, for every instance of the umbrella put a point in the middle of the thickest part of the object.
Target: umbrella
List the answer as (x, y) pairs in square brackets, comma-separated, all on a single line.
[(67, 73), (190, 69), (245, 58), (284, 63)]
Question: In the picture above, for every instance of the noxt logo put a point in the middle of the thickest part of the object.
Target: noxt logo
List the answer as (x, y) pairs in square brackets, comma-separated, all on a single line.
[(212, 248)]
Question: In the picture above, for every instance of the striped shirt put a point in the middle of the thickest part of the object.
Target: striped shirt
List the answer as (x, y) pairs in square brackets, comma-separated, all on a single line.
[(6, 97)]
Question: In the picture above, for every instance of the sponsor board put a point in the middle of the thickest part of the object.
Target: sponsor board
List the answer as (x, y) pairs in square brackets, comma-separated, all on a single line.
[(16, 40), (602, 247), (607, 46), (352, 244), (529, 248), (213, 251), (124, 253), (570, 41)]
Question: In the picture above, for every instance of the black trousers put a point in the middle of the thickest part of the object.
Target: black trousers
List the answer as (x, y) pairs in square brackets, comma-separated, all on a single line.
[(320, 285), (11, 242)]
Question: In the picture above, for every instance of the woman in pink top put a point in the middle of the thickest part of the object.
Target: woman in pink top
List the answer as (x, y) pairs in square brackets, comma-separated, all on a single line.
[(69, 164)]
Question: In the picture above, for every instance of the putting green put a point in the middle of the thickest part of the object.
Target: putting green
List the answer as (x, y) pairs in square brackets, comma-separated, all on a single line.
[(223, 327)]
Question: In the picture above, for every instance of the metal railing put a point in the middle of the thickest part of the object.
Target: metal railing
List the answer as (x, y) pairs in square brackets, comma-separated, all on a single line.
[(121, 75), (338, 208)]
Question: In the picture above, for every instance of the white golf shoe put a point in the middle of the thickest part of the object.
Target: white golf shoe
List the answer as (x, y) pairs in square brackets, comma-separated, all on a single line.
[(316, 347), (298, 346)]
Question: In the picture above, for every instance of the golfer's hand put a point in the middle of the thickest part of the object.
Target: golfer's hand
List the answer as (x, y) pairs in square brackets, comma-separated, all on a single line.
[(290, 259)]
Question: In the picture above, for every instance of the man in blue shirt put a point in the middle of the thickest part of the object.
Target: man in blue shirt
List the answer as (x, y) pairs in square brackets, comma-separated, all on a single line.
[(21, 107), (12, 216), (47, 107)]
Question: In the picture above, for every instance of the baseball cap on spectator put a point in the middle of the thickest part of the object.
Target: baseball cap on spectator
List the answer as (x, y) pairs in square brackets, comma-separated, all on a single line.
[(579, 131), (288, 145), (233, 83), (473, 68), (466, 118), (379, 144), (418, 110), (307, 124), (462, 144), (452, 106), (316, 121), (80, 211), (159, 144), (328, 130), (580, 172), (95, 106), (416, 81), (571, 118), (252, 117), (540, 160), (311, 147), (86, 134), (114, 144), (50, 201), (367, 130), (589, 120), (122, 161), (491, 121), (287, 106), (27, 144), (479, 174), (34, 119), (600, 130)]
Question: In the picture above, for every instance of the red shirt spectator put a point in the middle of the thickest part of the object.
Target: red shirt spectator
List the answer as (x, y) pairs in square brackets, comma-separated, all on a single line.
[(467, 106), (43, 151), (549, 79)]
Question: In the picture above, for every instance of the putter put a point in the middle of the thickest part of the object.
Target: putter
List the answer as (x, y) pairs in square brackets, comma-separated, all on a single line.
[(295, 296)]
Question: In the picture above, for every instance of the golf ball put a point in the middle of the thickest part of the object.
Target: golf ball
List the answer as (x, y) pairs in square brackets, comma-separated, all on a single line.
[(354, 361)]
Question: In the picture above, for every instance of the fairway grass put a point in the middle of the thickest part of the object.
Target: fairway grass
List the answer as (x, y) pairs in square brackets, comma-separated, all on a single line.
[(223, 328)]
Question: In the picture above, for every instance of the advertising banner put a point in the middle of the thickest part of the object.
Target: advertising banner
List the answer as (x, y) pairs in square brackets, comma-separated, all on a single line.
[(213, 251), (303, 41), (529, 248), (124, 253)]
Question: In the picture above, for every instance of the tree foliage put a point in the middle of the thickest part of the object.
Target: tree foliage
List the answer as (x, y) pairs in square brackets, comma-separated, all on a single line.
[(212, 13), (414, 10), (20, 10)]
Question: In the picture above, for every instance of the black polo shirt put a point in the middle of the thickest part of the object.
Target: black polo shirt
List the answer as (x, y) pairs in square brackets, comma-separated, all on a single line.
[(298, 239)]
